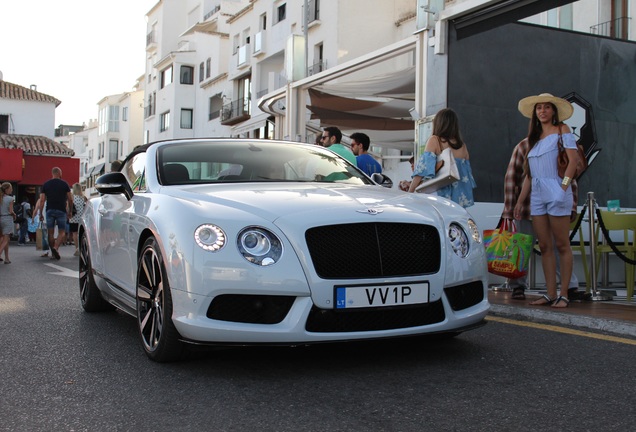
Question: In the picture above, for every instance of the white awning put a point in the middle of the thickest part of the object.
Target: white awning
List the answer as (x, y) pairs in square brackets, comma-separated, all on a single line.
[(255, 122)]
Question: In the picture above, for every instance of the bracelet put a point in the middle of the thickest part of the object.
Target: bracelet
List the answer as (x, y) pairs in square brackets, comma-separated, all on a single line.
[(566, 181)]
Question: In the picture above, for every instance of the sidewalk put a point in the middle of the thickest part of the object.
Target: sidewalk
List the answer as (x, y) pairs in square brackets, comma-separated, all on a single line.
[(614, 316)]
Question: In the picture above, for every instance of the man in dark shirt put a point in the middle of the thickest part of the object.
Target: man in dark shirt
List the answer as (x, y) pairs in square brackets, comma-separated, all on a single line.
[(59, 204)]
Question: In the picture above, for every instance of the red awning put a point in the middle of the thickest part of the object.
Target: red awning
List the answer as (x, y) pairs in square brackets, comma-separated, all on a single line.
[(37, 169), (10, 165)]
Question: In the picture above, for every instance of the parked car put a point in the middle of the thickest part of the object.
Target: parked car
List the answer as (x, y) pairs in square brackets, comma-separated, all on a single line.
[(244, 241)]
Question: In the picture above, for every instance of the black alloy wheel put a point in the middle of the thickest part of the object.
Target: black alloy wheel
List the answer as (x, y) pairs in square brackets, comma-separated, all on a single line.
[(159, 337)]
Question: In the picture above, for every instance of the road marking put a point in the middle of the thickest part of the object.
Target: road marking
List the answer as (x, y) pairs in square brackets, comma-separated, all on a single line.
[(562, 330), (63, 271)]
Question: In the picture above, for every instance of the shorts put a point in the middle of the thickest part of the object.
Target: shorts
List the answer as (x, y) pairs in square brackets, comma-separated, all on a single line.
[(73, 227), (56, 217), (548, 197)]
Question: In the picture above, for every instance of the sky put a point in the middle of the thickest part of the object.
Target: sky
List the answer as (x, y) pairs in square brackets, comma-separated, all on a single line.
[(77, 51)]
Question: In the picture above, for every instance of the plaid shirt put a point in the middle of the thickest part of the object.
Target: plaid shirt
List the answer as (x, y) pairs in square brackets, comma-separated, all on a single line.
[(514, 181)]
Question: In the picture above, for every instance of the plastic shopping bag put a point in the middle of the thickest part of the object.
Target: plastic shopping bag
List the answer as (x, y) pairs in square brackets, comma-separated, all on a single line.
[(508, 252)]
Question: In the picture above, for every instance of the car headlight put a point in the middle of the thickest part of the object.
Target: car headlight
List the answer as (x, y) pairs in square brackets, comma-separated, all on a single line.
[(209, 237), (474, 231), (458, 240), (259, 246)]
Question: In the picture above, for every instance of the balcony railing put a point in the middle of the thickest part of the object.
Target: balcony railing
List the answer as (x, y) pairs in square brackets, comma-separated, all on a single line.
[(150, 38), (212, 12), (317, 67), (616, 28), (236, 111), (149, 110), (242, 55)]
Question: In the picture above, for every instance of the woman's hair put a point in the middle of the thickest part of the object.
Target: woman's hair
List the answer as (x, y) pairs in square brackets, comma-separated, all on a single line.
[(534, 131), (77, 189), (446, 126), (3, 189)]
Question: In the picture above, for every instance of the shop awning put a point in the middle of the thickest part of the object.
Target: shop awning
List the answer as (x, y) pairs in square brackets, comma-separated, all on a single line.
[(37, 169), (11, 165), (98, 169)]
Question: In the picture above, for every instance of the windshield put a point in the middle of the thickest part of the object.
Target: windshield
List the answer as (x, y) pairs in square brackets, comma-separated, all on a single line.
[(230, 161)]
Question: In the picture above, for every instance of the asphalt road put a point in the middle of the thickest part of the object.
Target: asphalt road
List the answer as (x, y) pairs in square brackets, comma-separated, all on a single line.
[(62, 369)]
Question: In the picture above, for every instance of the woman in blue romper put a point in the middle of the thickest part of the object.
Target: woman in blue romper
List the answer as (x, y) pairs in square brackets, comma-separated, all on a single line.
[(446, 133), (550, 195)]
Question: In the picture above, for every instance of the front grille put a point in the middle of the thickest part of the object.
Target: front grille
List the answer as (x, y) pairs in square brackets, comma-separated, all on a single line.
[(374, 250), (252, 309), (387, 318), (464, 296)]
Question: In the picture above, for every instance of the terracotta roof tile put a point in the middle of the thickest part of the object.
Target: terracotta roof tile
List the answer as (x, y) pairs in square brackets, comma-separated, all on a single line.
[(34, 144), (13, 91)]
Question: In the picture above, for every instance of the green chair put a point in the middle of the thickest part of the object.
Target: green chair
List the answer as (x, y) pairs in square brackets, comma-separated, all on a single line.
[(616, 221)]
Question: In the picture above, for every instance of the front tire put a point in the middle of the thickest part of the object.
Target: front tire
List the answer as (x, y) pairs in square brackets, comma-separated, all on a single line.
[(90, 297), (159, 337)]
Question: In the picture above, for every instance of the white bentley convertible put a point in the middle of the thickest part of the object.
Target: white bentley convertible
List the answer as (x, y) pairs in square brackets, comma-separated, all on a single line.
[(242, 241)]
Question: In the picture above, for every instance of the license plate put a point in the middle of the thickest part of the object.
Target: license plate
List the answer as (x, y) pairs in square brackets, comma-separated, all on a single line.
[(379, 296)]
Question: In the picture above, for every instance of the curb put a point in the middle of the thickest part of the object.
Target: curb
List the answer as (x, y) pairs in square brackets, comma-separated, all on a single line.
[(616, 327)]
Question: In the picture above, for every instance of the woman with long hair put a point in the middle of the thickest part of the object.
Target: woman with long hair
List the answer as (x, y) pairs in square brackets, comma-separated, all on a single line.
[(79, 202), (446, 134), (551, 196), (7, 219)]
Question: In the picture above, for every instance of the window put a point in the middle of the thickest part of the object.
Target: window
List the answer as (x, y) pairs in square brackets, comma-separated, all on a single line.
[(186, 118), (166, 77), (134, 172), (4, 123), (216, 104), (113, 150), (113, 118), (124, 114), (187, 75), (164, 124), (100, 150), (201, 72), (281, 13), (208, 66), (263, 22)]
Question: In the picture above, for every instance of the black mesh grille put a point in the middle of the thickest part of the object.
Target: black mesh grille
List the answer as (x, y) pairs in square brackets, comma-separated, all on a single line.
[(356, 320), (373, 250), (464, 296), (253, 309)]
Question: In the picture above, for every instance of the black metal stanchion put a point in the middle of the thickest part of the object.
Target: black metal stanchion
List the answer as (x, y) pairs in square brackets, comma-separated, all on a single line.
[(596, 294)]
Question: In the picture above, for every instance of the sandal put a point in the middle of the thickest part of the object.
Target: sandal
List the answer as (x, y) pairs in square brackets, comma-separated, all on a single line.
[(561, 302), (518, 293), (544, 300)]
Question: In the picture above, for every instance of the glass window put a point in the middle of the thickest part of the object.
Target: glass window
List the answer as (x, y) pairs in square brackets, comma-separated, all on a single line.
[(134, 171), (166, 77), (187, 75), (164, 122), (281, 13), (124, 114), (201, 72), (208, 66), (113, 150), (186, 118)]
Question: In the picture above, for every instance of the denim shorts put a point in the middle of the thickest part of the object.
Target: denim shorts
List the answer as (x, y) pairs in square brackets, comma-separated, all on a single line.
[(56, 217)]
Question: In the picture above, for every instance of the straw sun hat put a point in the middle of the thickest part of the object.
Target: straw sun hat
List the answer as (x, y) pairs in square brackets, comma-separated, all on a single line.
[(564, 108)]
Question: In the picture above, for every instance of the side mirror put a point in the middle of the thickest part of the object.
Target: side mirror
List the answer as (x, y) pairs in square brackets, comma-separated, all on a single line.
[(113, 183), (382, 180)]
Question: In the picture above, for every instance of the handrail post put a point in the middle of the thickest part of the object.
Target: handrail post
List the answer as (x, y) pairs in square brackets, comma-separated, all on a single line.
[(596, 294)]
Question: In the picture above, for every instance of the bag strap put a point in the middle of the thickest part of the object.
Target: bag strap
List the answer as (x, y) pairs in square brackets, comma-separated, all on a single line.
[(560, 141)]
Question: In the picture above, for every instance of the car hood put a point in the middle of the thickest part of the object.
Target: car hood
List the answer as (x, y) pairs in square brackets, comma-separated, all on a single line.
[(311, 200)]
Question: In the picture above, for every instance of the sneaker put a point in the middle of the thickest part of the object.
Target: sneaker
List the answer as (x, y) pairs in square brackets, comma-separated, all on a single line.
[(55, 253), (76, 252)]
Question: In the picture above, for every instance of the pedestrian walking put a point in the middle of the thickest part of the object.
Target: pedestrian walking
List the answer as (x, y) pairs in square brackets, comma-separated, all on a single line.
[(7, 219), (59, 201), (79, 204)]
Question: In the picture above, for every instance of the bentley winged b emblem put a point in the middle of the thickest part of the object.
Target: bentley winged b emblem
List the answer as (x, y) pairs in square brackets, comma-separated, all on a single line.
[(371, 211)]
